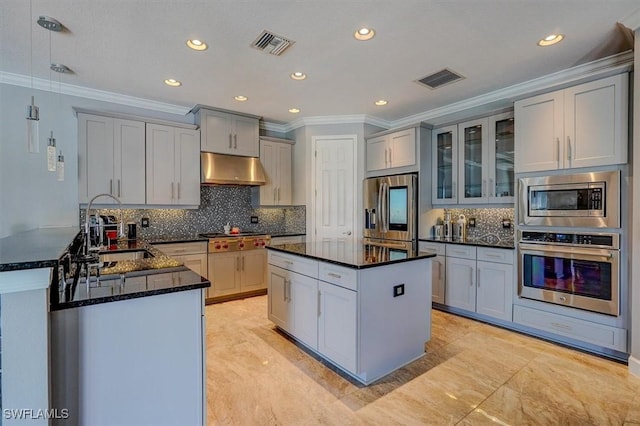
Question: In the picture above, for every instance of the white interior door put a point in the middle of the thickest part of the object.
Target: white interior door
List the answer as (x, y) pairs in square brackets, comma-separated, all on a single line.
[(334, 201)]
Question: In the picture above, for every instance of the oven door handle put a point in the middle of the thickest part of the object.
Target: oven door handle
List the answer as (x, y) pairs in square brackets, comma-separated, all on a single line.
[(564, 251)]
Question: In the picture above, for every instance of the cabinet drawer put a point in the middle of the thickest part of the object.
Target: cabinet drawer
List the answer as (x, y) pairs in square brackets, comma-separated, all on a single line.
[(177, 249), (585, 331), (287, 240), (463, 252), (439, 248), (338, 275), (293, 263), (495, 255)]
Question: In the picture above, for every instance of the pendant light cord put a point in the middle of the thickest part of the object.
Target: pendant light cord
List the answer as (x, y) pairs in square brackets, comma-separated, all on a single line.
[(31, 42)]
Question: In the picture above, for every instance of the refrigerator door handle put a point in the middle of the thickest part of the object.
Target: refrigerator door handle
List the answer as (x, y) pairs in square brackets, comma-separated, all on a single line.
[(379, 219)]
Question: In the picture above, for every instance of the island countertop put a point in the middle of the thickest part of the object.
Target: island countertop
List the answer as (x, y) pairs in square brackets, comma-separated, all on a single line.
[(353, 255)]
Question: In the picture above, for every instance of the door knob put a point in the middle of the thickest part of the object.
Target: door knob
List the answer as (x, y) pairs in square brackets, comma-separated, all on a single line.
[(346, 233)]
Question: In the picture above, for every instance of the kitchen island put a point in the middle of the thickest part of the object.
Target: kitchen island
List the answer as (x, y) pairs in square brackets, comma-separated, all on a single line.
[(364, 308), (123, 344)]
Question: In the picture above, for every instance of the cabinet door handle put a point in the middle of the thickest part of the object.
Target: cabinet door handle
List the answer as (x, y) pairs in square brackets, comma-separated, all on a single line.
[(492, 188), (478, 278), (569, 149), (278, 194), (172, 191), (235, 141), (484, 187), (178, 190), (284, 296), (385, 157), (319, 302), (390, 160), (243, 263), (111, 186), (439, 271), (274, 195), (230, 141), (558, 150), (331, 274), (119, 188), (454, 192)]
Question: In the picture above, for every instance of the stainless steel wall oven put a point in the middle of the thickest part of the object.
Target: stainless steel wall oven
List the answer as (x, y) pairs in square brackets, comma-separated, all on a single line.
[(578, 200), (577, 270)]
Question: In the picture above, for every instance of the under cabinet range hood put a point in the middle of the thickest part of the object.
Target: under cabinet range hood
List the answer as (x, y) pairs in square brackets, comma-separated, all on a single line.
[(223, 169)]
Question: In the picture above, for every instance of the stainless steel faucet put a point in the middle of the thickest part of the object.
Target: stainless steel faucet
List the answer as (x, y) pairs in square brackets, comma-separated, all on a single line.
[(87, 226)]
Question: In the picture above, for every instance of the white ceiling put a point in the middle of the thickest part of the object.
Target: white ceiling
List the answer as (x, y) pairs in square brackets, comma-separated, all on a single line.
[(130, 47)]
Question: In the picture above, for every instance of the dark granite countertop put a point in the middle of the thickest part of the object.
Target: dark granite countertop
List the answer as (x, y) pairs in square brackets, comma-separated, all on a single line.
[(131, 285), (180, 239), (352, 255), (38, 248), (122, 279), (489, 242)]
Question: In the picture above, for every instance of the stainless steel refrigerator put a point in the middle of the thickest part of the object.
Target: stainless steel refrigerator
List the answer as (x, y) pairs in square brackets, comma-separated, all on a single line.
[(391, 211)]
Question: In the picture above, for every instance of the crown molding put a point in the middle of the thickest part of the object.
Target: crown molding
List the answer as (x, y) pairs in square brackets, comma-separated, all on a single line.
[(327, 120), (95, 94), (597, 69), (632, 21)]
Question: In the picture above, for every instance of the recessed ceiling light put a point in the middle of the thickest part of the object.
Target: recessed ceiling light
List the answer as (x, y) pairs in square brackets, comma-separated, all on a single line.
[(240, 98), (294, 110), (551, 39), (172, 82), (196, 44), (298, 75), (364, 34), (381, 102)]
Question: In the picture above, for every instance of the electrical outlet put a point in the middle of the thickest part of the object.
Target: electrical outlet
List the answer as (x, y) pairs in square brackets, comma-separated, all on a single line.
[(472, 222), (506, 223), (254, 219), (398, 290), (145, 222)]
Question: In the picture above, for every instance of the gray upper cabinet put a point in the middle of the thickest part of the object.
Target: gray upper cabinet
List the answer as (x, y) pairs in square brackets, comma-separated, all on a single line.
[(227, 133), (392, 151), (111, 159), (581, 126), (472, 162)]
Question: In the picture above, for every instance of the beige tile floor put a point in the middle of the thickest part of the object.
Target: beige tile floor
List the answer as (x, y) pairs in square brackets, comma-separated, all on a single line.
[(472, 374)]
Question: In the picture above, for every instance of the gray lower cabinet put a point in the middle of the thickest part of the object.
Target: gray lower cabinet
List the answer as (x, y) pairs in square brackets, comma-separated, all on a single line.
[(475, 279)]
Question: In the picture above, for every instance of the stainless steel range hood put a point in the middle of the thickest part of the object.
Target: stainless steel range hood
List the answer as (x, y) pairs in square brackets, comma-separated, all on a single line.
[(231, 170)]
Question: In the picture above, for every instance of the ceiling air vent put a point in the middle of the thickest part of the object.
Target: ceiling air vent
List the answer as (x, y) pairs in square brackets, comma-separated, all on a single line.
[(440, 78), (271, 43)]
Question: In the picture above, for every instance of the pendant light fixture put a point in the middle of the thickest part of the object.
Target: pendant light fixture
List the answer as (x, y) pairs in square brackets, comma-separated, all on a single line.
[(54, 164), (33, 113)]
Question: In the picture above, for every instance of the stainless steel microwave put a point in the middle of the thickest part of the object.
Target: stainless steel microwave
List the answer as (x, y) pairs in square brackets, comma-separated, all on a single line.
[(578, 200)]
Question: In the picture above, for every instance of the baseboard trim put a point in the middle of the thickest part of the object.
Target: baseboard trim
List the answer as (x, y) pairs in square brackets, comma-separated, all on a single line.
[(634, 366)]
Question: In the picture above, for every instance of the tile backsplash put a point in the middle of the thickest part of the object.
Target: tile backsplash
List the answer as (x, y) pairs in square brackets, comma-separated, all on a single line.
[(219, 205), (488, 222)]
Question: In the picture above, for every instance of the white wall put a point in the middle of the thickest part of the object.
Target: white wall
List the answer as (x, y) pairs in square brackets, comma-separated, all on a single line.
[(30, 196)]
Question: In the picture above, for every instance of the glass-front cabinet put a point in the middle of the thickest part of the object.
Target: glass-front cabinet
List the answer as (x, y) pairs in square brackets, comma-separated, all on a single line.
[(445, 165), (501, 158), (472, 142), (473, 162)]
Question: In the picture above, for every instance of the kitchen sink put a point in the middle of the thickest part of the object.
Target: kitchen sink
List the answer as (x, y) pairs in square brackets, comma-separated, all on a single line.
[(114, 256)]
